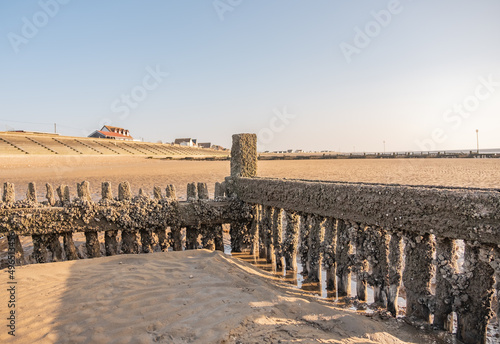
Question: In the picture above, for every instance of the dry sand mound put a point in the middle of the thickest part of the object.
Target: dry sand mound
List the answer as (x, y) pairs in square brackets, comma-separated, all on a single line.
[(179, 297)]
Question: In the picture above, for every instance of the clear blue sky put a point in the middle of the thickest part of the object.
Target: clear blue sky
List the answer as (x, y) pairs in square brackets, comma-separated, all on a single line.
[(349, 81)]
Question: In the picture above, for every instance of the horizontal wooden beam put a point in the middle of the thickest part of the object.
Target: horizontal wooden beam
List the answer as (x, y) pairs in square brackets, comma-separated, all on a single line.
[(458, 213), (140, 213)]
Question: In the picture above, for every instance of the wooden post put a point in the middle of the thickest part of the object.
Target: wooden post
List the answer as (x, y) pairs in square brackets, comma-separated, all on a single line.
[(129, 236), (474, 309), (330, 247), (305, 229), (31, 193), (417, 275), (9, 197), (343, 257), (91, 238), (315, 254), (63, 194), (9, 193), (377, 245), (361, 266), (192, 232), (395, 271), (175, 229), (291, 241), (110, 237), (219, 234), (277, 237), (446, 265), (254, 230)]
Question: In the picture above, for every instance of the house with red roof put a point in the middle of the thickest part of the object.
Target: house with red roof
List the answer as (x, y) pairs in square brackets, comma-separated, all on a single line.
[(113, 133)]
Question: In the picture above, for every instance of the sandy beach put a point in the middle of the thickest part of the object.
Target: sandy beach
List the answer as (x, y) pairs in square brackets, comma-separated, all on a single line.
[(180, 297), (147, 173)]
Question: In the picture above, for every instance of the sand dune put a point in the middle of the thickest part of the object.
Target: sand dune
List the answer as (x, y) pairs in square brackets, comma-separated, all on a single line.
[(179, 297)]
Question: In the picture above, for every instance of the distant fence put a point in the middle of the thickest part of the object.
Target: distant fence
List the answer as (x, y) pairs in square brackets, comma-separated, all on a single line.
[(369, 230)]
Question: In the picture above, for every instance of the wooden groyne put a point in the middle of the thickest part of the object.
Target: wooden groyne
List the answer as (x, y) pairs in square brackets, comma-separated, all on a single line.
[(385, 235)]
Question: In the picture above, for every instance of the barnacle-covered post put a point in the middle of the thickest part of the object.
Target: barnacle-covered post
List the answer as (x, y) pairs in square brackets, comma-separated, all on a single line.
[(446, 269), (110, 241), (291, 240), (145, 232), (92, 240), (417, 275), (129, 236), (9, 197), (315, 254), (277, 237), (329, 249), (243, 165), (305, 230), (206, 231), (68, 243), (344, 259), (175, 228), (192, 232), (52, 239), (377, 253), (395, 271), (361, 264), (39, 240), (474, 304), (254, 230), (160, 231)]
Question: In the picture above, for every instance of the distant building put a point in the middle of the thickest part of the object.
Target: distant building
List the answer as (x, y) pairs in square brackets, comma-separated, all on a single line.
[(113, 133), (205, 144), (186, 142)]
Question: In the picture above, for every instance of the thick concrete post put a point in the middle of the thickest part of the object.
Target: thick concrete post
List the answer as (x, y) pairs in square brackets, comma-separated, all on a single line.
[(291, 241), (417, 275), (446, 265), (343, 257), (329, 249), (244, 155)]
